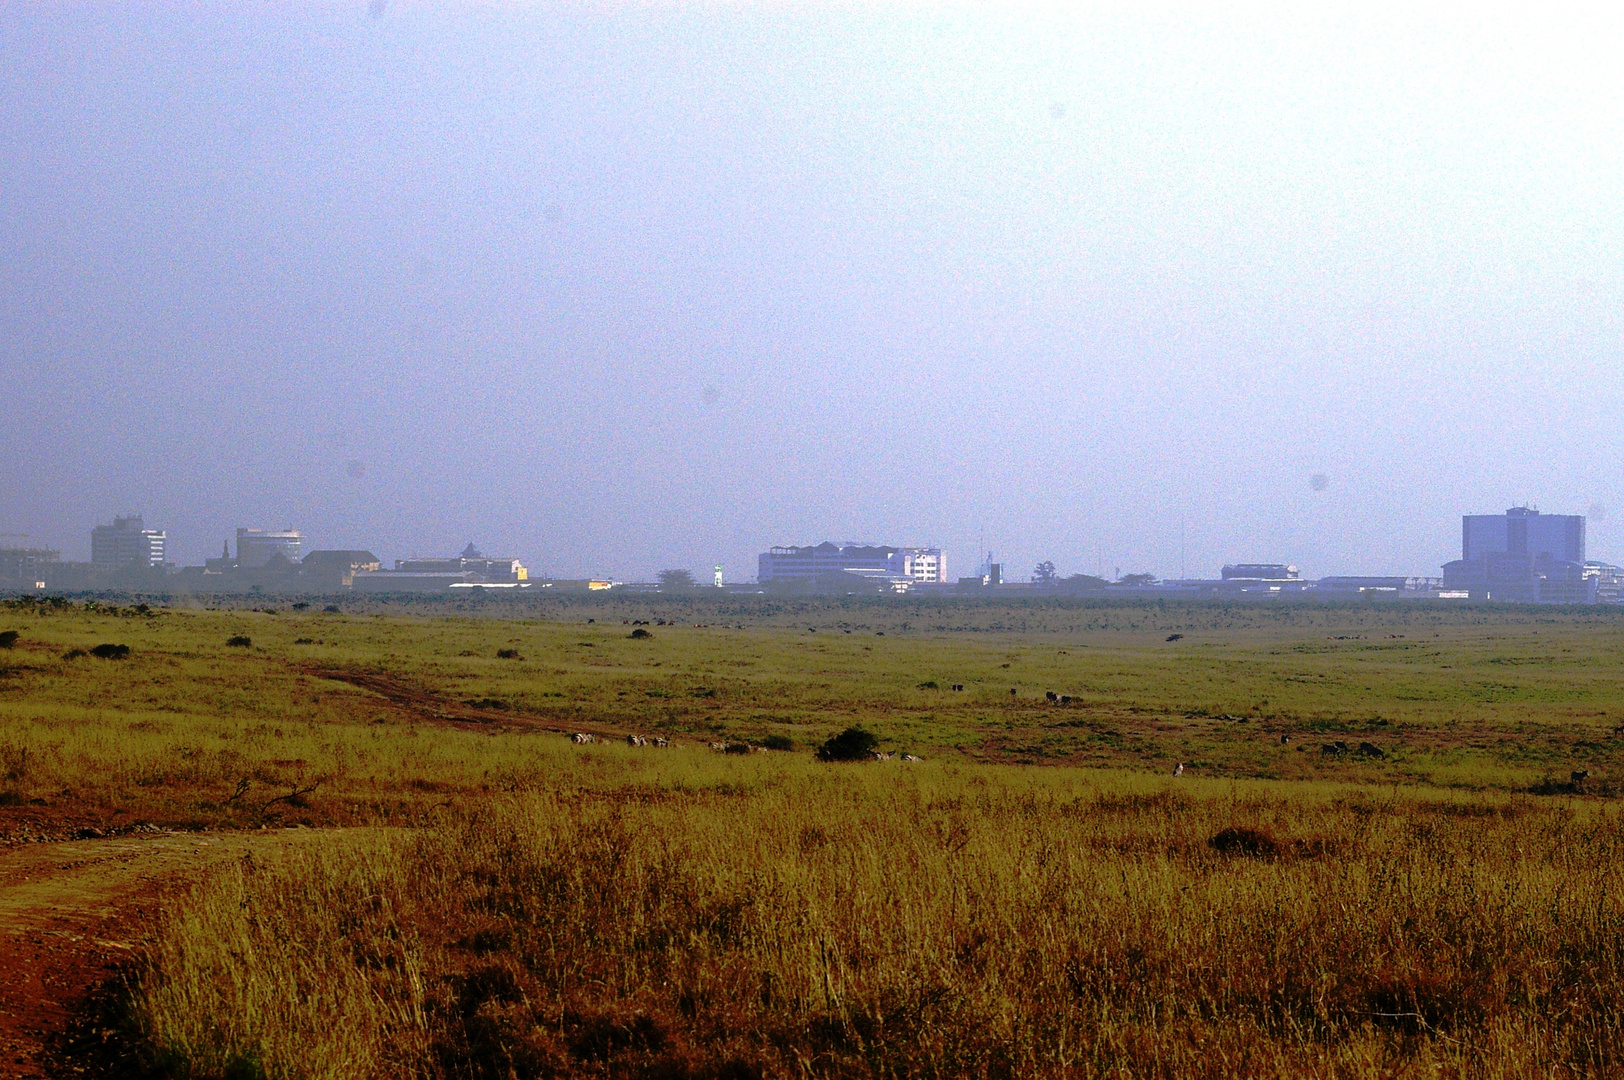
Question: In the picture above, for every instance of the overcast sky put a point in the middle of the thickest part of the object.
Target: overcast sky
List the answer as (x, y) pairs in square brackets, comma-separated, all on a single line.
[(612, 289)]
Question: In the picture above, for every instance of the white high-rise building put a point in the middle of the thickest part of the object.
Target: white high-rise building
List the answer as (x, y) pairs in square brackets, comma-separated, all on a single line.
[(925, 565)]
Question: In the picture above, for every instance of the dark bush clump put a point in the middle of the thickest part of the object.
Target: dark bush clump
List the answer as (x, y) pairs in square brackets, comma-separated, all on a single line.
[(928, 684), (73, 654), (1244, 840), (507, 654), (331, 609), (1175, 637), (639, 633), (239, 641), (8, 638), (778, 742), (853, 744), (111, 652)]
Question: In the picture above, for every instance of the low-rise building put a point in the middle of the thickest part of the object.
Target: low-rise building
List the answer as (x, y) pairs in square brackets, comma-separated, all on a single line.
[(329, 571), (27, 568), (892, 566), (470, 569), (471, 560)]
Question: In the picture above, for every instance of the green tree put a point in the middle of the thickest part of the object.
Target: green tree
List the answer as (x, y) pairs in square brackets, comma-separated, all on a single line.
[(853, 744), (677, 579)]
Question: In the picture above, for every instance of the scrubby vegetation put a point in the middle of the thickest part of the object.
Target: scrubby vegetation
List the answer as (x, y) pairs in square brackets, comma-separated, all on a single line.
[(939, 922)]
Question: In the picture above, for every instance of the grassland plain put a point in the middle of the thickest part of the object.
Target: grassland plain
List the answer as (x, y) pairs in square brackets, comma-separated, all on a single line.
[(1443, 909), (335, 718)]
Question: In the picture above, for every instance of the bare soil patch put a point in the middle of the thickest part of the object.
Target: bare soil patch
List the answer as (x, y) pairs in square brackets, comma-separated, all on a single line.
[(72, 917)]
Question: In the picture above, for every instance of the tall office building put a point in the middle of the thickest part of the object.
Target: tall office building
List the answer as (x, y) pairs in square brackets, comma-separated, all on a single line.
[(1523, 532), (127, 542), (1522, 556), (256, 547)]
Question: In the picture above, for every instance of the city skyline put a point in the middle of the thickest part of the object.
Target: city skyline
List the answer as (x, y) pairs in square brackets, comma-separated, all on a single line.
[(668, 287), (301, 540)]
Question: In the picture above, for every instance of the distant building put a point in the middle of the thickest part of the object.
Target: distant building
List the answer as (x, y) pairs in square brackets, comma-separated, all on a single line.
[(1242, 581), (1366, 587), (992, 575), (1547, 538), (893, 566), (471, 561), (1523, 556), (333, 570), (257, 547), (470, 569), (127, 542), (1609, 582), (27, 567), (1259, 572)]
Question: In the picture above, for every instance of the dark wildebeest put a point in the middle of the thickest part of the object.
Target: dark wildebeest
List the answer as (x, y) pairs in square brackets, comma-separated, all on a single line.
[(1370, 749), (1284, 739), (1579, 776), (1050, 696)]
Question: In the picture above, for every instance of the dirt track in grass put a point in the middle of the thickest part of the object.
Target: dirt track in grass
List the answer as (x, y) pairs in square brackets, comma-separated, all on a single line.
[(73, 916)]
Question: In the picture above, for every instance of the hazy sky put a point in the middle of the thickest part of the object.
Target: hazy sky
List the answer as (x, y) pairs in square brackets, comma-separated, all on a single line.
[(612, 289)]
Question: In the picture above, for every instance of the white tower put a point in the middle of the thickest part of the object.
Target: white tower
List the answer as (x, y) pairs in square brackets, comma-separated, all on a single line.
[(718, 575)]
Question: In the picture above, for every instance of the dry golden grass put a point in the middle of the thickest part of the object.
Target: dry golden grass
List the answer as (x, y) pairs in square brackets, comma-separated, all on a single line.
[(936, 921)]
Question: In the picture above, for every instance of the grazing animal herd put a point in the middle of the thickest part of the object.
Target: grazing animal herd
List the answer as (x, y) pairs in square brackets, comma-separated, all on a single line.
[(583, 738), (1334, 750)]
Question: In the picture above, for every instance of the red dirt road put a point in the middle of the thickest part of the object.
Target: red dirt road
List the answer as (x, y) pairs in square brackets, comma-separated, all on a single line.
[(73, 914)]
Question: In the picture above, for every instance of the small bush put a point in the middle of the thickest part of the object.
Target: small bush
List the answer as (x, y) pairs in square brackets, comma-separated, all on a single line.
[(507, 654), (639, 634), (8, 638), (928, 684), (1247, 841), (14, 761), (240, 641), (110, 652), (853, 744), (331, 609), (778, 742), (74, 654)]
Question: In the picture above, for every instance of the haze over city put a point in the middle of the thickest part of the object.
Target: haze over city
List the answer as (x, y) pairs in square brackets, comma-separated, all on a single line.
[(614, 289)]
